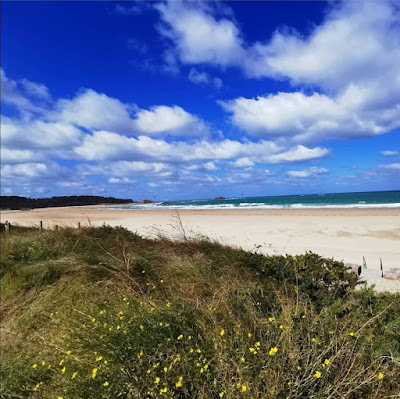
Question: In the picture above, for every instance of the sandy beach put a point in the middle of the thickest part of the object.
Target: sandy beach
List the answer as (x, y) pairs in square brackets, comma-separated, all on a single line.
[(344, 234)]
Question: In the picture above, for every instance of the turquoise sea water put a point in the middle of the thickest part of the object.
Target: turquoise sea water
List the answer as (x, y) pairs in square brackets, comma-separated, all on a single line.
[(377, 199)]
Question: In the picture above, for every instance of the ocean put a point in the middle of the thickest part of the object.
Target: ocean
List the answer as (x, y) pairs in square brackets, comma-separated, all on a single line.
[(377, 199)]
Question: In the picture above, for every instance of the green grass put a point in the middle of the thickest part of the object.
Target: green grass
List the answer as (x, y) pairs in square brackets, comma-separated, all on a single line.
[(105, 313)]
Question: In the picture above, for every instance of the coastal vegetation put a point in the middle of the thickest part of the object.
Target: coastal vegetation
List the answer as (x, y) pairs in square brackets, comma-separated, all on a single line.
[(105, 313), (16, 202)]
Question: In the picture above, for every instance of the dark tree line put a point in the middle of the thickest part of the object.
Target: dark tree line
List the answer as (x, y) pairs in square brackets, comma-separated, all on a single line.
[(15, 202)]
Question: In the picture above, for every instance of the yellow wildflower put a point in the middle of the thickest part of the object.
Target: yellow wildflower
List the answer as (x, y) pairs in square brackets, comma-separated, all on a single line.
[(222, 333), (351, 334), (168, 304), (180, 337), (157, 380), (380, 375), (244, 388), (34, 366), (99, 358), (161, 281), (141, 327), (68, 353), (317, 374), (61, 362), (101, 312), (43, 362), (221, 394), (94, 372), (198, 350), (165, 369), (35, 388), (249, 335), (271, 318), (106, 384), (163, 390), (242, 359), (51, 314), (272, 351), (326, 361), (93, 320), (74, 374), (63, 370), (313, 340)]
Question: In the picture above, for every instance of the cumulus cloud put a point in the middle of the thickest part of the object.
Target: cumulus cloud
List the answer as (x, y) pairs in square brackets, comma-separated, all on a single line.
[(307, 173), (201, 77), (103, 145), (299, 153), (38, 135), (389, 153), (169, 120), (199, 37), (352, 57), (12, 92), (242, 162), (93, 110)]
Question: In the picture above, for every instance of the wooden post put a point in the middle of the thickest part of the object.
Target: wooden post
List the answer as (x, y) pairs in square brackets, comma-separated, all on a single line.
[(7, 227), (41, 226), (79, 225), (56, 227), (381, 267), (364, 263)]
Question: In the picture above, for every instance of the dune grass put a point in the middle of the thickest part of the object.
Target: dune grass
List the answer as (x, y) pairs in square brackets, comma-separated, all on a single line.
[(105, 313)]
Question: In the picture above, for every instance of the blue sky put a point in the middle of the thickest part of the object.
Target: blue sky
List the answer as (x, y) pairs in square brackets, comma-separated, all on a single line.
[(180, 100)]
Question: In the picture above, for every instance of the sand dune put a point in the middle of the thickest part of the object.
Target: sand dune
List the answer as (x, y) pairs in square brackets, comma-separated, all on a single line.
[(345, 234)]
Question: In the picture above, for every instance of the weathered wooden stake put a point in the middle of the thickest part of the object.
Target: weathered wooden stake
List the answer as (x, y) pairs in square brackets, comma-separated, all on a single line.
[(41, 226), (364, 263), (381, 267), (79, 225), (7, 227), (56, 227)]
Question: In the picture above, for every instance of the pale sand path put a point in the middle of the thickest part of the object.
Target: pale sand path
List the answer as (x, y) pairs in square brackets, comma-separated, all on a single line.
[(345, 234)]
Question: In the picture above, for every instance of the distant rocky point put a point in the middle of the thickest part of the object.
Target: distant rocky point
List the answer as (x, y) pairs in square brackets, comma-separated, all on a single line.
[(146, 201), (217, 198)]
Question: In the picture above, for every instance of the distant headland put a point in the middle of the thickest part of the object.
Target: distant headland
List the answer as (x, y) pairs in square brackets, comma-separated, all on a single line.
[(16, 202)]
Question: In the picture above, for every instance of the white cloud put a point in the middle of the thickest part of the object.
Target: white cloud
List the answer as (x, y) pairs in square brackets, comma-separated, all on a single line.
[(54, 138), (306, 173), (102, 145), (123, 168), (389, 153), (93, 110), (299, 153), (303, 117), (169, 120), (11, 94), (242, 162), (352, 57), (201, 77), (209, 166), (119, 180), (394, 166), (34, 89), (18, 156), (198, 36)]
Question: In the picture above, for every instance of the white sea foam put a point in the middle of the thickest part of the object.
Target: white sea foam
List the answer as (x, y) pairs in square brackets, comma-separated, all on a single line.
[(255, 205)]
